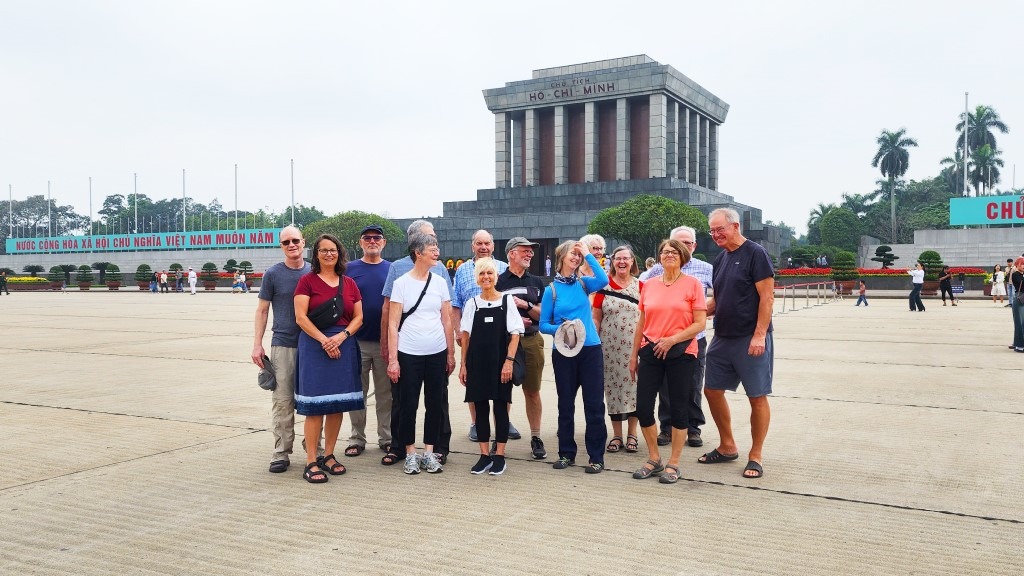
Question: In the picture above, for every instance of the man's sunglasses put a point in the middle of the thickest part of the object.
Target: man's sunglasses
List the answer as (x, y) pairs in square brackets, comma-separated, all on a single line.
[(373, 237), (292, 241)]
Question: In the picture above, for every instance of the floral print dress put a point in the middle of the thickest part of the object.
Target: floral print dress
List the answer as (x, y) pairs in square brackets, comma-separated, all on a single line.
[(618, 324)]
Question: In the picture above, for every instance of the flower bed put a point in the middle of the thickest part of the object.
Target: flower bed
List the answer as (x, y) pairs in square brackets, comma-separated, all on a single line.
[(873, 272)]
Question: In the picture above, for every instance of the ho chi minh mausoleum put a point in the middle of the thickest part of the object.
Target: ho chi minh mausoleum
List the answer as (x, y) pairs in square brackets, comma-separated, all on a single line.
[(574, 140)]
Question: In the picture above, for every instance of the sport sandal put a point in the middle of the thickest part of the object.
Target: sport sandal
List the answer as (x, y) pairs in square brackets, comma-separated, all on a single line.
[(314, 476), (644, 472), (670, 475)]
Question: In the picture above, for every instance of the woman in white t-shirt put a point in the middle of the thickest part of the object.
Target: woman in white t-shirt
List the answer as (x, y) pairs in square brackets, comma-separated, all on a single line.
[(420, 351), (917, 277)]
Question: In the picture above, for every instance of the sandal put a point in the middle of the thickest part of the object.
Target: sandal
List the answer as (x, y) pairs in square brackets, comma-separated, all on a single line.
[(354, 450), (754, 467), (314, 476), (716, 457), (670, 475), (644, 472), (615, 445), (336, 469), (390, 458), (632, 443)]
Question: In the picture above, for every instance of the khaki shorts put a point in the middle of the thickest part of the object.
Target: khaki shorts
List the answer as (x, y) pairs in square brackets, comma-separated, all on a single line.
[(533, 348)]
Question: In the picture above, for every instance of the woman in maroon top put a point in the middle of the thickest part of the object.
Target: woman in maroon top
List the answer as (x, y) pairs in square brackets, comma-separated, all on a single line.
[(327, 375)]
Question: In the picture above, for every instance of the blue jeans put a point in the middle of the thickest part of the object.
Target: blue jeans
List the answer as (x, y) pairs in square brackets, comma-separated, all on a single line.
[(586, 371), (862, 298), (1018, 324), (915, 298)]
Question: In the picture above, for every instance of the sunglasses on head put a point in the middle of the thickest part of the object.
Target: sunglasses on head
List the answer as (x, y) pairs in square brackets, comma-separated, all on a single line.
[(292, 241)]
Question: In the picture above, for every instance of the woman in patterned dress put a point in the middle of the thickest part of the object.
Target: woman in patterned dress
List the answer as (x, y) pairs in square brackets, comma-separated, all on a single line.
[(615, 315)]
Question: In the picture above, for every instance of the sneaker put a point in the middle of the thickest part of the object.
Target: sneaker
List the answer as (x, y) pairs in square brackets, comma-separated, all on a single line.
[(563, 463), (664, 439), (594, 468), (442, 458), (472, 433), (537, 447), (498, 468), (412, 463), (513, 434), (482, 465), (693, 439), (431, 463)]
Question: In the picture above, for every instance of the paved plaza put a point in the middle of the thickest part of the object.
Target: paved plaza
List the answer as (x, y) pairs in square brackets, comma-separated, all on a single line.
[(134, 441)]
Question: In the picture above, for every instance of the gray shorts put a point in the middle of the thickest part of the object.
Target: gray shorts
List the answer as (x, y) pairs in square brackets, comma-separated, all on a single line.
[(728, 364)]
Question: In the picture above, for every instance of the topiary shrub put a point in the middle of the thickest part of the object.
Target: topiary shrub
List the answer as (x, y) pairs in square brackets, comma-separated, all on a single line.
[(932, 263), (884, 255), (113, 273), (33, 269), (209, 273), (175, 267), (231, 265), (56, 274), (143, 273), (245, 267), (84, 274), (9, 271), (844, 266)]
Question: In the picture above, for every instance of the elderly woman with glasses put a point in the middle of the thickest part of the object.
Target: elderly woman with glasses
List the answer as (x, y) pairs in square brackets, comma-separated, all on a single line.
[(328, 364), (596, 245), (672, 313), (421, 351), (567, 299), (615, 315)]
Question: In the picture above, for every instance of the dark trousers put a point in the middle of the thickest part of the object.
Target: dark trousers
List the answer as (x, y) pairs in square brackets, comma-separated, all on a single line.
[(1018, 323), (915, 298), (483, 425), (695, 412), (429, 373), (584, 371), (674, 373), (945, 288)]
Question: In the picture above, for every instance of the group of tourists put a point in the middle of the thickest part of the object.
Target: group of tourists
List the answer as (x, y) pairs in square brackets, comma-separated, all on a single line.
[(622, 344)]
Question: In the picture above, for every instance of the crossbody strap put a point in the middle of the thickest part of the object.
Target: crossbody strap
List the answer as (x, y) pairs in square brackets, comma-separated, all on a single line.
[(618, 295), (417, 304)]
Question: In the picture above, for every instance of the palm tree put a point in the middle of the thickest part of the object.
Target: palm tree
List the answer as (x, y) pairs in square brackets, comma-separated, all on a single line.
[(986, 168), (858, 203), (955, 165), (893, 160), (979, 129), (814, 219)]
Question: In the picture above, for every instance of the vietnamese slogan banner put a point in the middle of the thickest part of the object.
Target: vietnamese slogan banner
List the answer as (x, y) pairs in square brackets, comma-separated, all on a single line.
[(986, 210), (253, 238)]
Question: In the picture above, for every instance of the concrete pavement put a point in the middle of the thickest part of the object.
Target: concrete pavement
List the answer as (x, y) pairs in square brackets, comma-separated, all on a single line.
[(134, 441)]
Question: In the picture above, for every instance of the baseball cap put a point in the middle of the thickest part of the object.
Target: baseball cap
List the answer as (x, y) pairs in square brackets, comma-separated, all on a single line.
[(518, 241), (373, 228)]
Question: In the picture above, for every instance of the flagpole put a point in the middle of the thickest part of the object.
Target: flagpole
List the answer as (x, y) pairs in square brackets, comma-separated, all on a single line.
[(184, 201), (135, 198), (90, 205), (293, 192), (966, 131), (49, 231), (236, 197)]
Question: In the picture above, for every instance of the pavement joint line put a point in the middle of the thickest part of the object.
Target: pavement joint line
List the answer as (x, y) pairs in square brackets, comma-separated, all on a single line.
[(953, 408), (108, 465), (793, 493), (165, 419), (837, 361), (91, 353)]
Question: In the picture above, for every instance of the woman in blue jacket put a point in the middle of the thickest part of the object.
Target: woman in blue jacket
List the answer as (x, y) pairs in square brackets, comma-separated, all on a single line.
[(567, 299)]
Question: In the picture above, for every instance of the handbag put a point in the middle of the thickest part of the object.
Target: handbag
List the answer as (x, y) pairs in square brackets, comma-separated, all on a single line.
[(417, 304), (677, 350), (519, 361), (326, 315)]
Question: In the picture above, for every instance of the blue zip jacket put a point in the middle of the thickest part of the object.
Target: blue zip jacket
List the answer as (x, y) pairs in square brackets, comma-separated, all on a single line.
[(571, 302)]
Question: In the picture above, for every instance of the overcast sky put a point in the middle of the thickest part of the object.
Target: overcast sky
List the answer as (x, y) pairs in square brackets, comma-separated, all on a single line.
[(380, 104)]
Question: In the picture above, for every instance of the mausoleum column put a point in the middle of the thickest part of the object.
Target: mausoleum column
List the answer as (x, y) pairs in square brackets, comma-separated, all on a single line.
[(532, 160), (590, 142), (561, 146), (518, 175), (713, 156), (502, 150), (621, 139), (694, 147), (684, 143), (671, 139), (704, 152), (658, 148)]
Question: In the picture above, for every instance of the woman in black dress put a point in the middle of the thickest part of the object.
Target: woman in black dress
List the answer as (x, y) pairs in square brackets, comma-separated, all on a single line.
[(491, 327)]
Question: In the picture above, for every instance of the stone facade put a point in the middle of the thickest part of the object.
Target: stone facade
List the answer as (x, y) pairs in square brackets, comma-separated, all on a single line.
[(981, 247), (644, 126)]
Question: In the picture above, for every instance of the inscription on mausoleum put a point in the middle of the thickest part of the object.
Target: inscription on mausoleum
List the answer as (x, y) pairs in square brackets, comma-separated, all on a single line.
[(574, 88)]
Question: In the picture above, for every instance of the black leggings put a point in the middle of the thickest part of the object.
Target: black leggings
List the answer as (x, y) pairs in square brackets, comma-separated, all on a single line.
[(946, 288), (483, 424), (679, 374)]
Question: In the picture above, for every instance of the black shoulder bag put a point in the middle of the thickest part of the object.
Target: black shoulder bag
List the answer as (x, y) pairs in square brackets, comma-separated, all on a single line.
[(614, 294), (519, 363), (326, 315), (417, 304)]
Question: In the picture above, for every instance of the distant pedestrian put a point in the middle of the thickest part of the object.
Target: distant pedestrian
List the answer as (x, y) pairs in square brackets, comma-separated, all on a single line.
[(179, 280), (154, 281), (547, 265), (999, 283), (163, 283), (3, 282), (917, 277), (192, 278), (946, 285), (863, 297)]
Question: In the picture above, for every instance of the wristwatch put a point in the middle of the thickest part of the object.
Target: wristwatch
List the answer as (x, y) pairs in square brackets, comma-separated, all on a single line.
[(510, 359), (346, 332), (529, 306)]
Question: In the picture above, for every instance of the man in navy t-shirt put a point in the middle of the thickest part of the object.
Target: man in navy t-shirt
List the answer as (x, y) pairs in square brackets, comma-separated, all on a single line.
[(742, 349), (369, 273)]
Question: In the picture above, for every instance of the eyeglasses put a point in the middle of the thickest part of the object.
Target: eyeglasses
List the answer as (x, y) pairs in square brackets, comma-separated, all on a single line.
[(373, 237), (720, 229), (327, 252), (670, 253), (292, 241), (623, 259)]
